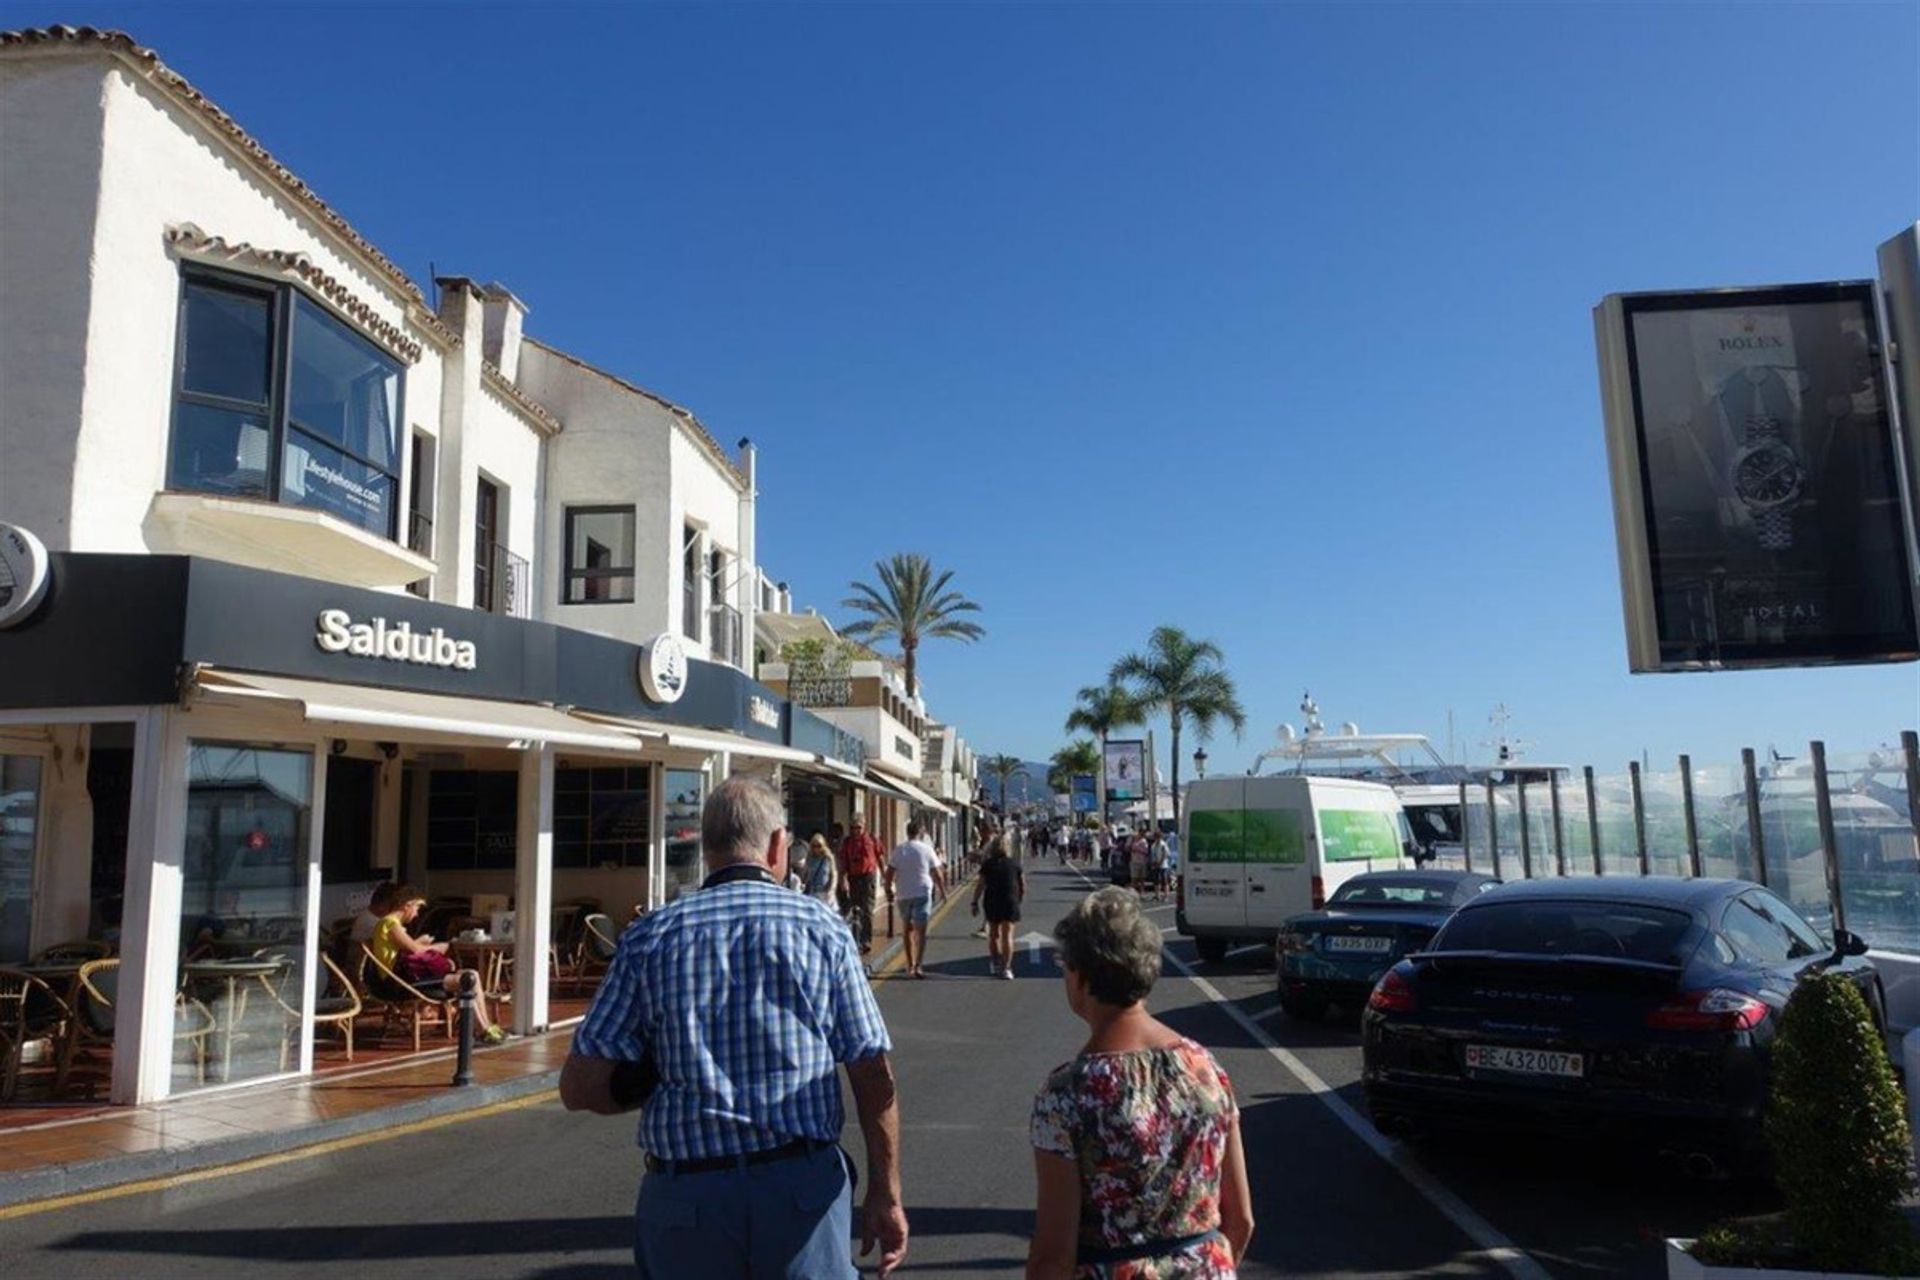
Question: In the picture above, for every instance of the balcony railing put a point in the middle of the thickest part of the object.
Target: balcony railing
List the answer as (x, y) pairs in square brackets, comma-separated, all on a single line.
[(690, 608), (502, 583), (728, 641)]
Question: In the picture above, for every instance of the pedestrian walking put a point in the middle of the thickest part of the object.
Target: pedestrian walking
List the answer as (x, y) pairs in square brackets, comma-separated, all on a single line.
[(819, 878), (1001, 888), (722, 1018), (1159, 865), (1137, 862), (860, 856), (1137, 1152), (915, 869)]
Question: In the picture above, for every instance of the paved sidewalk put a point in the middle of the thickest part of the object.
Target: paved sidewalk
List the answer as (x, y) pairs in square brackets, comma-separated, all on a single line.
[(121, 1145)]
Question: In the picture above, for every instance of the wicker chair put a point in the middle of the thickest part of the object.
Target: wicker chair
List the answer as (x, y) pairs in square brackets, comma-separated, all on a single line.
[(30, 1010), (599, 940), (91, 1026), (329, 1009), (399, 1002)]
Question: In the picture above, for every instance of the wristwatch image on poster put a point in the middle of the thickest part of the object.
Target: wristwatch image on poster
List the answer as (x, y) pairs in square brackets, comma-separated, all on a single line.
[(1763, 485)]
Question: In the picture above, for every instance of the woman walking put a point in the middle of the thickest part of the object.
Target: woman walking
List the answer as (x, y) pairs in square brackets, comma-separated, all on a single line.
[(1136, 1141), (819, 877), (1002, 886)]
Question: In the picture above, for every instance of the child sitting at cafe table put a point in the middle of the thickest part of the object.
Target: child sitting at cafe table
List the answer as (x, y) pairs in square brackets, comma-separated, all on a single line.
[(422, 961)]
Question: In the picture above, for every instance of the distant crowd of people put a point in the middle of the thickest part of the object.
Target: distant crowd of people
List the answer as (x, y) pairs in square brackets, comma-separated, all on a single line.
[(726, 1016)]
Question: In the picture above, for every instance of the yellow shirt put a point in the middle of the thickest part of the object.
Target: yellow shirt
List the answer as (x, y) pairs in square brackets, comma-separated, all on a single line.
[(383, 945)]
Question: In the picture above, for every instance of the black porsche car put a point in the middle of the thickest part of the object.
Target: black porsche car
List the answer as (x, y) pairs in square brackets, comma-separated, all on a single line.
[(1335, 955), (1629, 1007)]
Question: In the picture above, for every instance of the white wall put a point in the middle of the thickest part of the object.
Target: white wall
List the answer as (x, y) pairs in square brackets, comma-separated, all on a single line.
[(51, 124)]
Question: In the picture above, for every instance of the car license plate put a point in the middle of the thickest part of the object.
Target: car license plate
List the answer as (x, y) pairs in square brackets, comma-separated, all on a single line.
[(1369, 945), (1525, 1062)]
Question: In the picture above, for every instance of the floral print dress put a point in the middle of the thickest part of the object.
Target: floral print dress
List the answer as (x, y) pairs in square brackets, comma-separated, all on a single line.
[(1148, 1130)]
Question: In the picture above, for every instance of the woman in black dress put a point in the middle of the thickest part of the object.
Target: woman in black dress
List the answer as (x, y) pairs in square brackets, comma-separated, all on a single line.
[(1001, 886)]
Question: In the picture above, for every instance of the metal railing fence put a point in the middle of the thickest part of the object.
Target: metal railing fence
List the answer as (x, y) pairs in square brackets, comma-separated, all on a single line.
[(1838, 836)]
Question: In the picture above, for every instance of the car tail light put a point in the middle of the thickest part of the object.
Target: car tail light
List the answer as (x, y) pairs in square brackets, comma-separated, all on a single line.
[(1319, 893), (1393, 994), (1715, 1010)]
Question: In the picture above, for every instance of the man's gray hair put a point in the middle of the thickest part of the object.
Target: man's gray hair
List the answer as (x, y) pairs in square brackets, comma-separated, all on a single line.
[(740, 818), (1110, 943)]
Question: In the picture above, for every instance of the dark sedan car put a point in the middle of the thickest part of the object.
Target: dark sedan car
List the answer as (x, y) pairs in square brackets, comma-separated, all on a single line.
[(1337, 954), (1642, 1008)]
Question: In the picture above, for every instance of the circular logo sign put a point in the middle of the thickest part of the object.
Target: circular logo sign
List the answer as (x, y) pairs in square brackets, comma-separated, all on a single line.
[(663, 668), (24, 572)]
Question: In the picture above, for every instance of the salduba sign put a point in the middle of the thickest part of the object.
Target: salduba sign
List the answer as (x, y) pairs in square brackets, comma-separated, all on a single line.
[(1755, 471), (336, 631)]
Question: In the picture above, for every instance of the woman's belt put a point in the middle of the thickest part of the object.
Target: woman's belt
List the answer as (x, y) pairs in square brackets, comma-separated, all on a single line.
[(1094, 1256)]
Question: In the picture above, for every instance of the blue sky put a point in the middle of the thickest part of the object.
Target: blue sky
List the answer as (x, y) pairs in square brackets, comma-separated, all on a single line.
[(1272, 322)]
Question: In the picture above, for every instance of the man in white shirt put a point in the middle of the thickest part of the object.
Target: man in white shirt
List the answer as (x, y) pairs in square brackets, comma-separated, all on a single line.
[(915, 870)]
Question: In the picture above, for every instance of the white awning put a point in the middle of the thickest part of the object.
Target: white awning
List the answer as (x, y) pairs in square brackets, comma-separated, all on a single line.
[(426, 712), (710, 741), (907, 790)]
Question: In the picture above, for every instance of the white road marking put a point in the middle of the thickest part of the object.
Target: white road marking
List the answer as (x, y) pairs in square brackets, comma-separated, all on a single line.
[(1034, 940), (1494, 1243), (1266, 1013)]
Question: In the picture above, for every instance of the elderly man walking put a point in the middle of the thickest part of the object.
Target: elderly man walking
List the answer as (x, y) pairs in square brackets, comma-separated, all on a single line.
[(860, 858), (740, 999)]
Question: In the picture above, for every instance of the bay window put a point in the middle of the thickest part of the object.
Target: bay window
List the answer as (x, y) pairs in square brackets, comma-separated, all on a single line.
[(277, 399)]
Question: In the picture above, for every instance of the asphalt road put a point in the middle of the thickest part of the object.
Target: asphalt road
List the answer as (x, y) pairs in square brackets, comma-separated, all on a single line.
[(534, 1192)]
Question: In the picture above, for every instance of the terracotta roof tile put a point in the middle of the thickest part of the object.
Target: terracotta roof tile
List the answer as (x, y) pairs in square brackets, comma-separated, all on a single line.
[(502, 385), (147, 63)]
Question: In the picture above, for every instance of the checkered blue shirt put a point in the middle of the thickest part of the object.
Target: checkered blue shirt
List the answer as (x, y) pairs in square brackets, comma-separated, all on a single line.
[(748, 994)]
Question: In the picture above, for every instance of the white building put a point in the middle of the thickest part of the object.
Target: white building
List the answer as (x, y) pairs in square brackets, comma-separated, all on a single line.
[(346, 584)]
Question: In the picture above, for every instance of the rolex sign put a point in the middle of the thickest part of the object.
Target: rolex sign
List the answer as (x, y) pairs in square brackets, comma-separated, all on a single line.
[(1755, 486)]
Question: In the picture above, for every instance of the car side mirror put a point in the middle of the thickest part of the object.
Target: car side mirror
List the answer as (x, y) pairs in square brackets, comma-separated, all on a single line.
[(1848, 943)]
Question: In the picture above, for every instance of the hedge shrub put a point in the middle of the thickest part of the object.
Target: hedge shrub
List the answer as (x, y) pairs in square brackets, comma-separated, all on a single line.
[(1837, 1128)]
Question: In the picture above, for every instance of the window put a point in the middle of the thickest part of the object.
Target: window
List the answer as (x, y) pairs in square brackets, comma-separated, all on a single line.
[(278, 400), (602, 816), (690, 583), (1802, 939), (472, 819), (19, 827), (1755, 935), (1610, 930), (686, 794), (599, 556)]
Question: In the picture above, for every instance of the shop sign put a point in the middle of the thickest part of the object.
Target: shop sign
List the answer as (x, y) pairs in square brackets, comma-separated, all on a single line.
[(663, 668), (763, 712), (394, 641), (24, 573)]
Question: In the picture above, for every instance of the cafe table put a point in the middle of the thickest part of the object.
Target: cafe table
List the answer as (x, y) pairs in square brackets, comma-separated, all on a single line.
[(238, 976), (488, 958)]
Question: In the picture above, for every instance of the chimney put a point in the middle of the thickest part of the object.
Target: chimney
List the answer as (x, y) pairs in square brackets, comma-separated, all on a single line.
[(504, 318)]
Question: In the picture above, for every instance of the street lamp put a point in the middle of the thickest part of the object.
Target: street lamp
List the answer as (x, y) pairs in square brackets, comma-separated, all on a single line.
[(1200, 761)]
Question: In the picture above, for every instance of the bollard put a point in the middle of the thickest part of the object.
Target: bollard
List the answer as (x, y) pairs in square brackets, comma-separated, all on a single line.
[(889, 915), (463, 1062)]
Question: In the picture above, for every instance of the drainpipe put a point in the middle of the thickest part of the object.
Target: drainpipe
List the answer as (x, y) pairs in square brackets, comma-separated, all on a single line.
[(746, 590)]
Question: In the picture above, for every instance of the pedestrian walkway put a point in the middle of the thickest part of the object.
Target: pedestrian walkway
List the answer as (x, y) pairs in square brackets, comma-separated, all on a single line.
[(108, 1147)]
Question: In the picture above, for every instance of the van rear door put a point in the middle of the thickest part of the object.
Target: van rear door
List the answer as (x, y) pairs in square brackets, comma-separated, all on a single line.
[(1361, 828), (1213, 855), (1277, 825)]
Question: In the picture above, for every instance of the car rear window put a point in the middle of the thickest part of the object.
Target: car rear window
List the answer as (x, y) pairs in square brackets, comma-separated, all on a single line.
[(1376, 890), (1609, 930)]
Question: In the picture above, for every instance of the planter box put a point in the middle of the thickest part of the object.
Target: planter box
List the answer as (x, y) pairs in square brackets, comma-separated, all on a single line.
[(1681, 1266)]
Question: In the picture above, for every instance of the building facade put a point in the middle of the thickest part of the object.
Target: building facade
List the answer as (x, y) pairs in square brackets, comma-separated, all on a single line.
[(314, 581)]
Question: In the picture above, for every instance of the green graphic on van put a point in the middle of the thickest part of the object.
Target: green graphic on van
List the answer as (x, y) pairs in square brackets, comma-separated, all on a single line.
[(1275, 835), (1217, 835), (1354, 835)]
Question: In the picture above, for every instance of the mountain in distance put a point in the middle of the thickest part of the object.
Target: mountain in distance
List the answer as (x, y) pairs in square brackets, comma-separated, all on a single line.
[(1033, 790)]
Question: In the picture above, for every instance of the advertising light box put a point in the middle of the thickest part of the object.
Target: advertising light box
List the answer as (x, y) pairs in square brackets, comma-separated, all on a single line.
[(1755, 485), (1126, 769)]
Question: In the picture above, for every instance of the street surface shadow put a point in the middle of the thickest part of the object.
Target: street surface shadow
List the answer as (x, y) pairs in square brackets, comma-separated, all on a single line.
[(491, 1237)]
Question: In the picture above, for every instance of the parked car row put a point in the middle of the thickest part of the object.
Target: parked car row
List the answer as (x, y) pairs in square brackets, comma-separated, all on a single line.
[(1634, 1007)]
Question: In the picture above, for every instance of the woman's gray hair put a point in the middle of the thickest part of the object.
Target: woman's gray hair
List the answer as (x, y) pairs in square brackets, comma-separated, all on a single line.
[(740, 818), (1111, 944)]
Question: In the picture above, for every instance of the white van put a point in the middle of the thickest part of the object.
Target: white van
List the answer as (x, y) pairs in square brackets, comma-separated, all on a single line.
[(1254, 851)]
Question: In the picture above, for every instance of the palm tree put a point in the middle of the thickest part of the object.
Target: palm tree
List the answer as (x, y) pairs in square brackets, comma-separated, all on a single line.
[(1101, 708), (1006, 768), (912, 604), (1078, 756), (1186, 679)]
